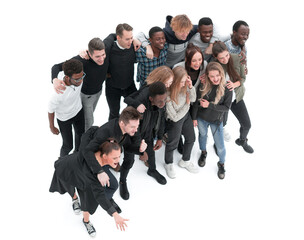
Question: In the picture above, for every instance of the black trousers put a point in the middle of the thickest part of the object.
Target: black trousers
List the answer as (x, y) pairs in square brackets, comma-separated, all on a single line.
[(114, 95), (174, 130), (67, 134), (128, 161), (240, 112)]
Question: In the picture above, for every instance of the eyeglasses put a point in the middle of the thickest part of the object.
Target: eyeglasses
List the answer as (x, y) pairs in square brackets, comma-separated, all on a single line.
[(79, 79)]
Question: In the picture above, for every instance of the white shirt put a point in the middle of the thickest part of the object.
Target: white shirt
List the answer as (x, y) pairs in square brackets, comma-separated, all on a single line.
[(66, 105)]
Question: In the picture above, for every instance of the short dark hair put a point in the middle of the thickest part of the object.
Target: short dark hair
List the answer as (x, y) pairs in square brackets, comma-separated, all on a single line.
[(157, 88), (72, 66), (95, 44), (205, 21), (121, 27), (154, 30), (237, 25), (129, 113)]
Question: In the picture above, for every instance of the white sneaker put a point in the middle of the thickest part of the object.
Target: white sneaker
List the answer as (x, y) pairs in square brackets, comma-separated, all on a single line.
[(170, 170), (90, 228), (227, 136), (188, 165)]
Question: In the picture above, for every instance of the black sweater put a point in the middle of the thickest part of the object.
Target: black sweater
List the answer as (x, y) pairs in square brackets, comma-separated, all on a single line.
[(214, 112), (121, 64), (95, 74)]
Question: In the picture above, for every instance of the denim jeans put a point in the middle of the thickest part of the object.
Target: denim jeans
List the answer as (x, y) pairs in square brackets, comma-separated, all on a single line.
[(218, 136)]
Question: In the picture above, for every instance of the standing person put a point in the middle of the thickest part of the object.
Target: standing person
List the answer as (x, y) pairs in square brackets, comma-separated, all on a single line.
[(179, 121), (72, 172), (154, 101), (178, 31), (68, 107), (159, 47), (120, 78), (235, 74), (236, 45), (95, 67), (124, 129), (213, 99)]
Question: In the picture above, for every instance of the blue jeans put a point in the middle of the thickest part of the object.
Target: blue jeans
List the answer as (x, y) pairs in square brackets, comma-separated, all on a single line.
[(218, 136)]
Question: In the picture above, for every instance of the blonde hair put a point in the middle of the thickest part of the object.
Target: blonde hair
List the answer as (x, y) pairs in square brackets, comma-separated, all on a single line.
[(181, 23), (160, 74), (175, 89), (214, 66)]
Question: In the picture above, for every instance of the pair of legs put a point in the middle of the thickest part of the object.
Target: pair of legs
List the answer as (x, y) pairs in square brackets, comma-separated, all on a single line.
[(174, 130), (65, 127), (114, 96), (89, 103), (240, 112), (218, 136)]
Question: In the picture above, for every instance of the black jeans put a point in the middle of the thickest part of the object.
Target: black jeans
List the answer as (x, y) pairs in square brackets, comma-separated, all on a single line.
[(174, 130), (128, 160), (240, 112), (114, 95), (67, 135)]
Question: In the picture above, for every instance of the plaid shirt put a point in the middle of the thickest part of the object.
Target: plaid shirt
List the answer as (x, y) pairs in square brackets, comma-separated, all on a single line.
[(145, 65)]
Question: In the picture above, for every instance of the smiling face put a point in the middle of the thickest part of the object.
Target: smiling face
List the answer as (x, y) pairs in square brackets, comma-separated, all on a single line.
[(76, 79), (126, 39), (215, 77), (241, 35), (98, 56), (196, 61), (223, 57), (159, 100), (112, 158), (206, 32), (158, 40), (168, 82)]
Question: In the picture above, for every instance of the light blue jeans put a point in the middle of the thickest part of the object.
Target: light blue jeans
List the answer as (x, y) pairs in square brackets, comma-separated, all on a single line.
[(218, 136)]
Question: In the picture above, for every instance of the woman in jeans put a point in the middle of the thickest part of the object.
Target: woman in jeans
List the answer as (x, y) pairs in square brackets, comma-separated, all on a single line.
[(213, 100), (235, 76), (179, 122)]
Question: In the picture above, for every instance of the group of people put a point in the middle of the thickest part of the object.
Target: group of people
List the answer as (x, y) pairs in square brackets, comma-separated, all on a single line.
[(188, 77)]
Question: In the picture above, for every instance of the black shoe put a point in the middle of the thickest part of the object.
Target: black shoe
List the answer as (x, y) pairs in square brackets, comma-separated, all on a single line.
[(221, 171), (202, 159), (123, 190), (180, 147), (157, 176), (244, 144), (90, 228), (215, 149), (114, 204)]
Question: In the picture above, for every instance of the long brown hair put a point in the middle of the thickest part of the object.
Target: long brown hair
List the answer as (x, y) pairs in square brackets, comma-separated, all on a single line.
[(219, 47), (214, 66), (179, 73), (108, 146), (190, 51)]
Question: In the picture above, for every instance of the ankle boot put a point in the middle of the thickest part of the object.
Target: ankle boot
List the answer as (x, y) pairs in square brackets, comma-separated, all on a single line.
[(202, 159), (244, 144)]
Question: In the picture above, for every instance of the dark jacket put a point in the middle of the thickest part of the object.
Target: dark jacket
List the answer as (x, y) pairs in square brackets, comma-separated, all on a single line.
[(214, 113), (110, 129)]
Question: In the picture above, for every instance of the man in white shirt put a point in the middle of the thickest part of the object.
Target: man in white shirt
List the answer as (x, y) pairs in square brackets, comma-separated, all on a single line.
[(68, 107)]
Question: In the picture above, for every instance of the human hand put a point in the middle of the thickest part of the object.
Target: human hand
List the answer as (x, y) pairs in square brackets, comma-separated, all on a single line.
[(149, 52), (58, 85), (158, 144), (144, 157), (120, 222), (208, 50), (104, 179), (204, 103), (136, 44), (189, 82), (230, 85), (84, 54), (141, 108), (143, 146), (194, 123), (203, 78), (54, 130)]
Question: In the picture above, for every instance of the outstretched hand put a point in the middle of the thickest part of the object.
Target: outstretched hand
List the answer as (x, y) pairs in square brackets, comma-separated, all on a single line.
[(120, 222)]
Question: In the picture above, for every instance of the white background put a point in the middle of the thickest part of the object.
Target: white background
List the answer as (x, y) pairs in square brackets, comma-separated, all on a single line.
[(262, 194)]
